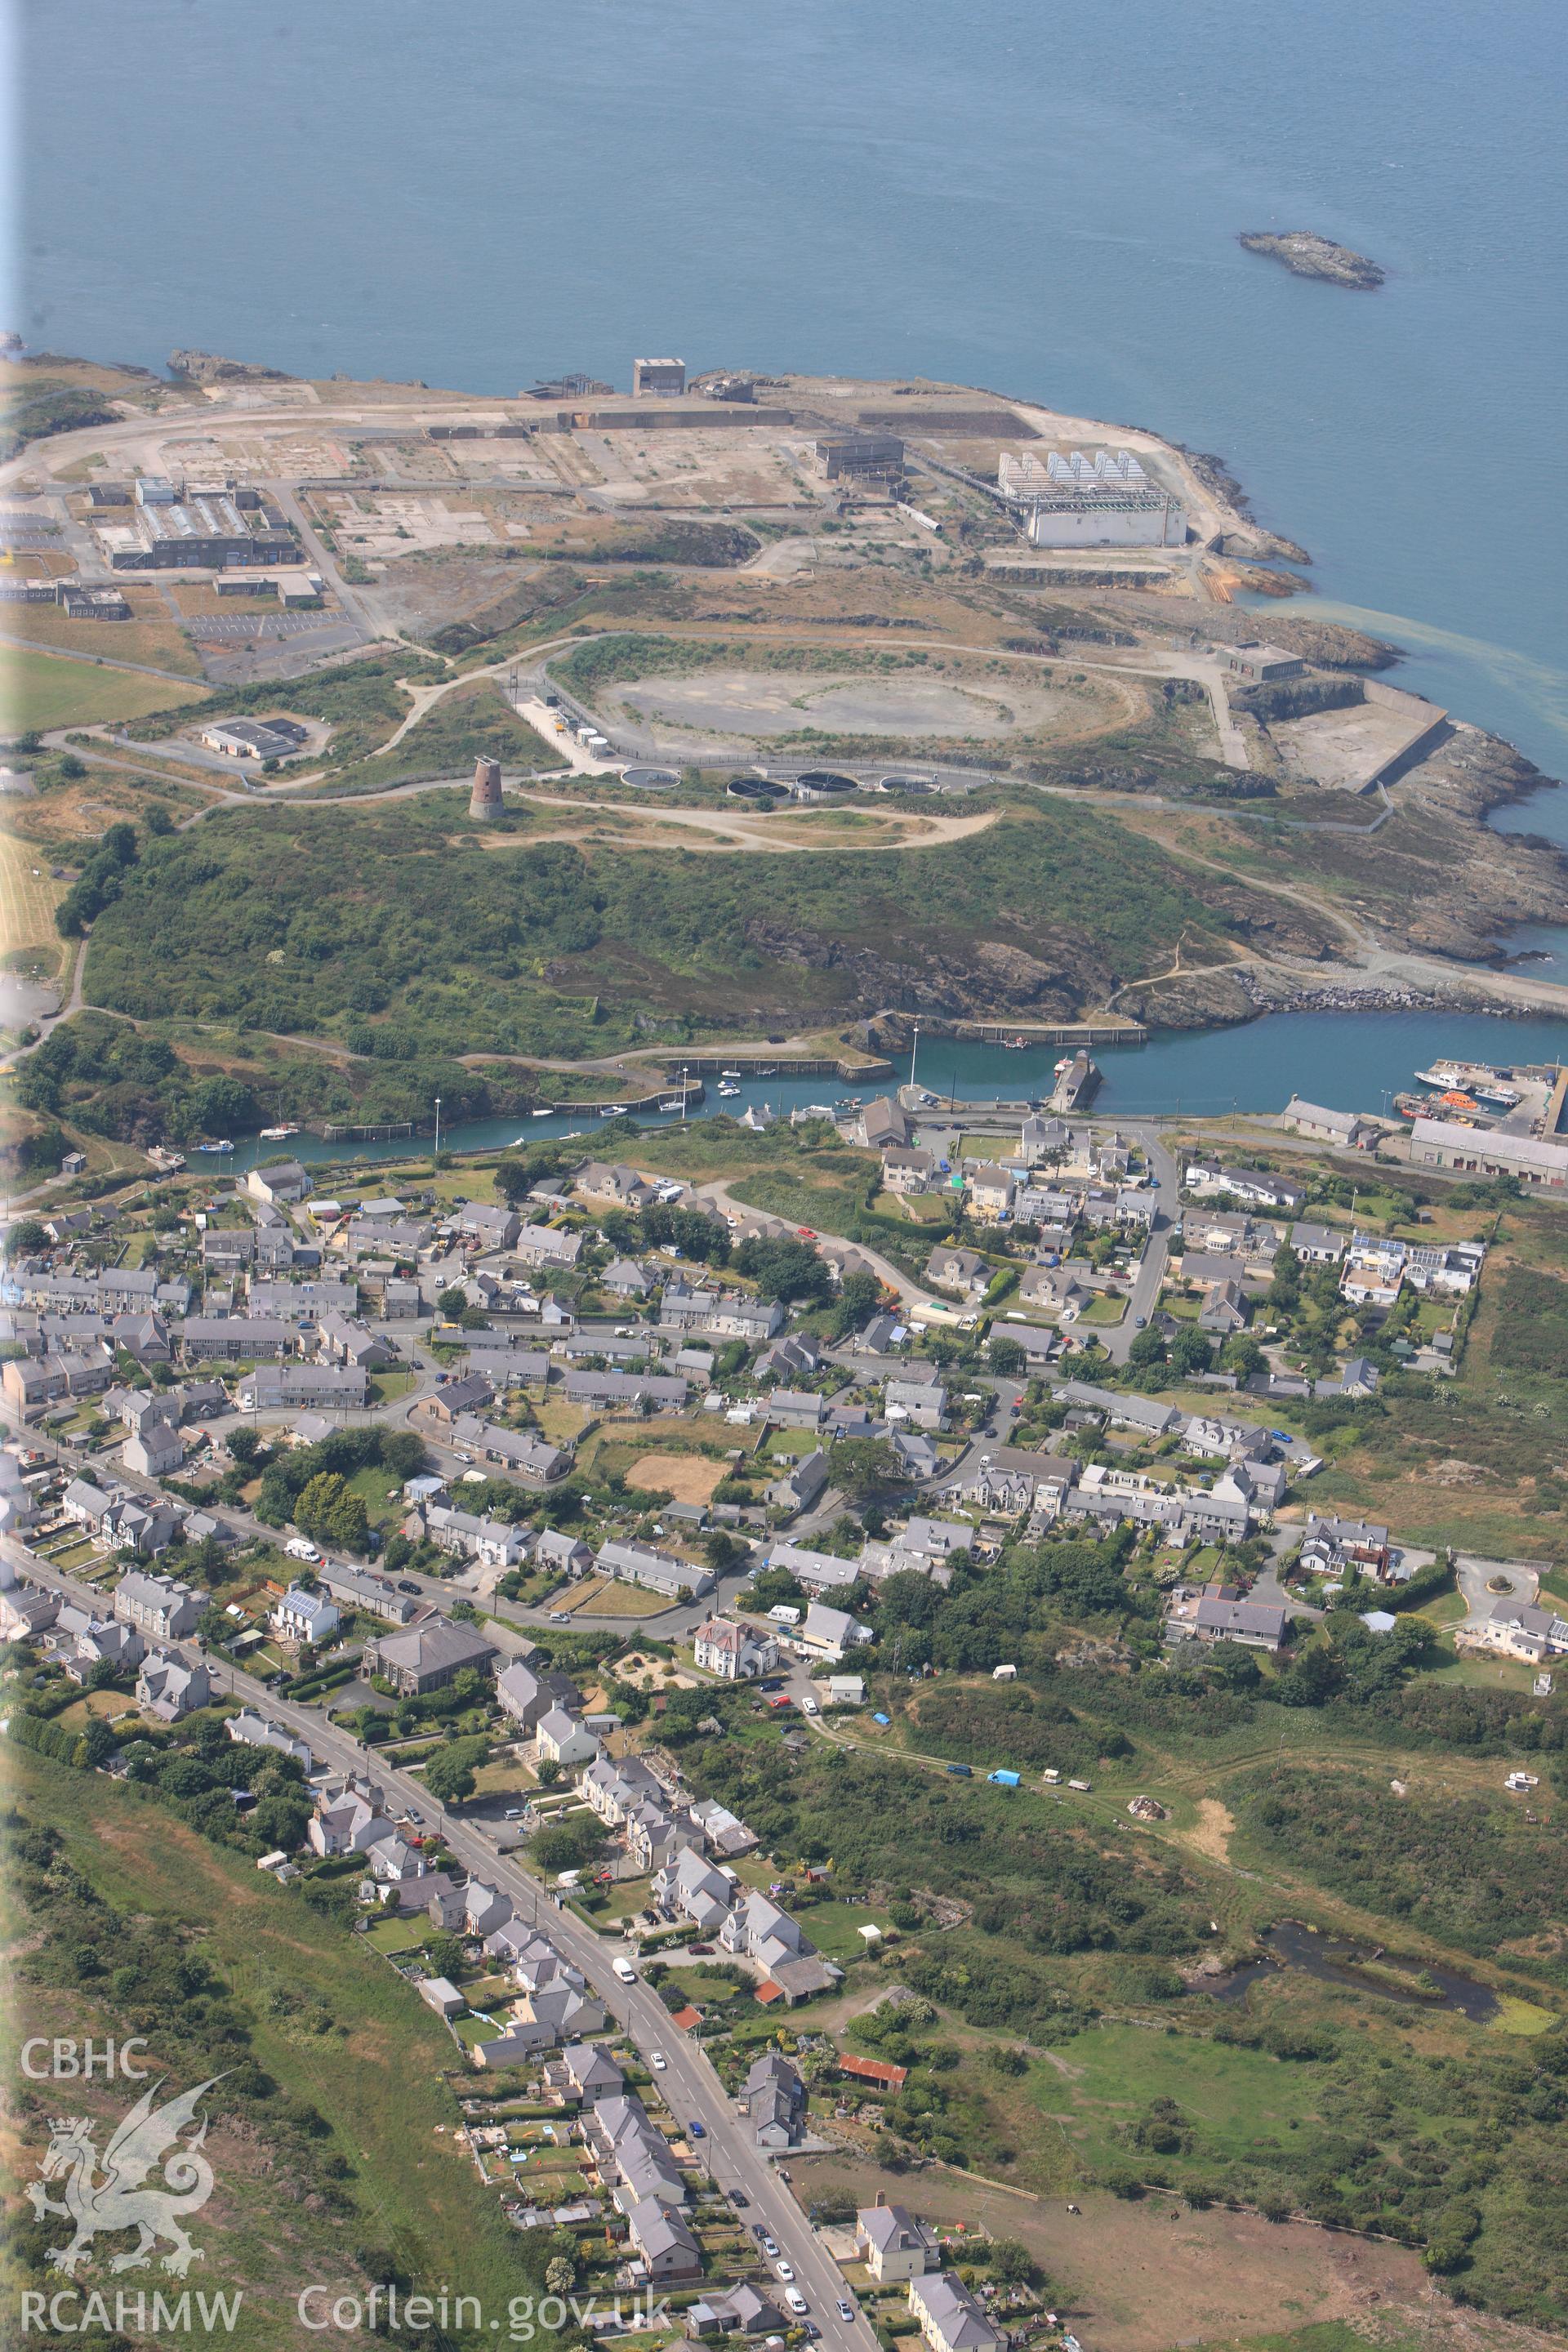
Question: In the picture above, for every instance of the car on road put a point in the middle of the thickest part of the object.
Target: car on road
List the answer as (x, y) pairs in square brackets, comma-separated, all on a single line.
[(768, 2246), (738, 2198), (300, 1548), (406, 1584), (1141, 1322), (795, 2299), (806, 1232), (560, 1617), (700, 1951), (628, 1974), (810, 1705), (656, 2058), (697, 2130), (846, 2308), (759, 2232), (783, 2271)]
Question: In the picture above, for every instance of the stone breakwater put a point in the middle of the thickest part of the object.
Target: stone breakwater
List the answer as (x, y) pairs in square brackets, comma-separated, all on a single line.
[(1307, 254)]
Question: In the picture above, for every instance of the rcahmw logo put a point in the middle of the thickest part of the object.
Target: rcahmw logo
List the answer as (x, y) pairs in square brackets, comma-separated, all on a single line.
[(111, 2196)]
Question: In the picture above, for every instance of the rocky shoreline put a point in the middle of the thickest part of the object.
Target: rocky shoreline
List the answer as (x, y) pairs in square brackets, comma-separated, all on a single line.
[(1307, 254)]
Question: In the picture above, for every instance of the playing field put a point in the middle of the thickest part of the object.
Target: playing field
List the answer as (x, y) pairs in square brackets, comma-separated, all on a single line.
[(41, 690), (28, 902)]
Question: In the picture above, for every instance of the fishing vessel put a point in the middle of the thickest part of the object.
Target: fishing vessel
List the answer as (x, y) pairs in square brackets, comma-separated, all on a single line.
[(214, 1146), (276, 1134), (729, 1074), (1487, 1085), (612, 1110)]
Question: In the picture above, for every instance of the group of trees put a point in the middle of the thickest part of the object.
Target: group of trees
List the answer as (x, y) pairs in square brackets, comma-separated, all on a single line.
[(310, 1484)]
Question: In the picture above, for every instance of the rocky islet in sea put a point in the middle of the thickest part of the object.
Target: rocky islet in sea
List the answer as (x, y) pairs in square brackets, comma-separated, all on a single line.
[(1307, 254)]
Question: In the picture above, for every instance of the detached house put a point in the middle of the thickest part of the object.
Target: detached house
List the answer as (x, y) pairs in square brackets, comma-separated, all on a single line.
[(892, 2243), (733, 1652), (964, 1270), (949, 2318)]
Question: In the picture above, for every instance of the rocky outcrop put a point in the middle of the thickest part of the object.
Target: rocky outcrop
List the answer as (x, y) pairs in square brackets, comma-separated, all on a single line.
[(206, 367), (1307, 254)]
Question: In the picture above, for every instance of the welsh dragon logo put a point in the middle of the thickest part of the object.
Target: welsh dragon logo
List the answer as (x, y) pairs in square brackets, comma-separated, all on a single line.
[(114, 2197)]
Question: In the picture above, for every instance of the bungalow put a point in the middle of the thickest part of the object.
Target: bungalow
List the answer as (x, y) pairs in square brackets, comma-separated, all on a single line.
[(522, 1453), (1121, 1409), (1255, 1624), (616, 1187), (658, 1571), (248, 1729), (818, 1571), (964, 1270), (924, 1402), (626, 1392), (796, 1409), (883, 1124), (742, 2310), (825, 1633), (455, 1398), (1317, 1244), (626, 1279), (547, 1245)]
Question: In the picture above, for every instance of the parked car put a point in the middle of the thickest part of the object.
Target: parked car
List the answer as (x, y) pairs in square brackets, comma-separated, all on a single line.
[(406, 1584), (795, 2299)]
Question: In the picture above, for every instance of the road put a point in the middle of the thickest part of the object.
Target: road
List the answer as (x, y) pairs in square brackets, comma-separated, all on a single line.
[(688, 2084), (1150, 1272)]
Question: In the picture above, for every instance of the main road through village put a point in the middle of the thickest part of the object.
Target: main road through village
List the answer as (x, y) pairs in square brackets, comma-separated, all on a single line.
[(686, 2082)]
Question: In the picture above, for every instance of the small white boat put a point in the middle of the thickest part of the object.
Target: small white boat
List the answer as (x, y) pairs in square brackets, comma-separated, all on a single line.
[(612, 1110), (214, 1146), (545, 1110), (276, 1134), (728, 1091)]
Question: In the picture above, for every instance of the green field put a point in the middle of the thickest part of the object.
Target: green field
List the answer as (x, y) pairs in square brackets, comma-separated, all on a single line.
[(332, 2025), (41, 690)]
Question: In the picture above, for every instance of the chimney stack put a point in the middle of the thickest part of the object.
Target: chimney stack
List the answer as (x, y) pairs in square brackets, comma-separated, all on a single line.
[(485, 801)]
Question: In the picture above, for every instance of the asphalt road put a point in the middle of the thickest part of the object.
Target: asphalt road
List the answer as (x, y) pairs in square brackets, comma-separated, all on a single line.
[(687, 2083), (1152, 1270)]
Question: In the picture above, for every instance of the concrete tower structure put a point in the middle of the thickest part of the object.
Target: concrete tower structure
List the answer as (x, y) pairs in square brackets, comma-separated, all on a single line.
[(485, 800)]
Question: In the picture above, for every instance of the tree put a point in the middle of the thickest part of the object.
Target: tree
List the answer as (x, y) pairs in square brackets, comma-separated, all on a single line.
[(1191, 1351), (1007, 1358), (1011, 2261), (866, 1469), (452, 1303), (1148, 1348), (244, 1445), (27, 1237), (444, 1954), (560, 2274), (158, 819), (859, 1297), (453, 1765), (784, 1268), (722, 1552)]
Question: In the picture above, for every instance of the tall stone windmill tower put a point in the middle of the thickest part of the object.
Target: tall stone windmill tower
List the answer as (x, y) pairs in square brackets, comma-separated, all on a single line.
[(485, 800)]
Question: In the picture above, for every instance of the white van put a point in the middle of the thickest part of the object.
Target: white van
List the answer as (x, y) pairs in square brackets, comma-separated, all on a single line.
[(300, 1548), (624, 1971)]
